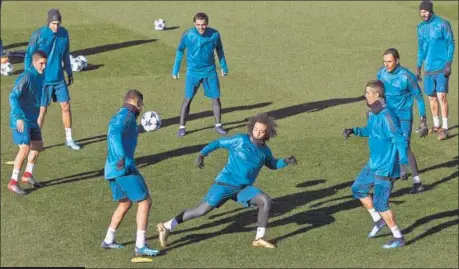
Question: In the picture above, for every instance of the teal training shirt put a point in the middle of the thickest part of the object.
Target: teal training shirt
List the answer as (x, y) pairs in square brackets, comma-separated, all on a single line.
[(245, 159)]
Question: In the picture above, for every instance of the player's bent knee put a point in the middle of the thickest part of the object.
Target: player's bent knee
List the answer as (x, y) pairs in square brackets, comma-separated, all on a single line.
[(381, 207), (65, 106), (358, 192)]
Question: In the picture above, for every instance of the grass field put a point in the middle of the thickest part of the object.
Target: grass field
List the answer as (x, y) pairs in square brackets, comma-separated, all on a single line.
[(303, 62)]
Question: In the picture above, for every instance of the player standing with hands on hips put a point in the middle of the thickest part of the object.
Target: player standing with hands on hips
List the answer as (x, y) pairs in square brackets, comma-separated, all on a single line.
[(200, 42)]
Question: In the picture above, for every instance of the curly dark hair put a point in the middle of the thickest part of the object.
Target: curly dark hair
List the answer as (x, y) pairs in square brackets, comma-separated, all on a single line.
[(265, 119)]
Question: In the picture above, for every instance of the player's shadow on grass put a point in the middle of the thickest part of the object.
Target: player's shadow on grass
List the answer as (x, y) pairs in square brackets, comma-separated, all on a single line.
[(15, 45), (169, 121), (243, 221), (110, 47), (171, 28), (92, 67), (141, 162), (294, 110)]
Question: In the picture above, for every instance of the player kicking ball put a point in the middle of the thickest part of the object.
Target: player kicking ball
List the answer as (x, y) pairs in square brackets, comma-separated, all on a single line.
[(126, 183), (248, 153)]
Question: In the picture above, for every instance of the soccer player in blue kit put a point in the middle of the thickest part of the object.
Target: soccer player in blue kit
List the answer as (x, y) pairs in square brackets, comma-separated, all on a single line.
[(248, 153), (200, 42), (126, 183), (25, 98), (436, 52), (54, 40), (388, 150), (401, 89)]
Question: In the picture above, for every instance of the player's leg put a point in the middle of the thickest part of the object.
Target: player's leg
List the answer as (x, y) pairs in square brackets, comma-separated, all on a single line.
[(382, 189), (429, 90), (215, 197), (63, 97), (211, 87), (361, 190), (123, 207), (406, 127), (191, 86), (45, 102), (23, 141), (442, 90), (263, 202), (36, 146)]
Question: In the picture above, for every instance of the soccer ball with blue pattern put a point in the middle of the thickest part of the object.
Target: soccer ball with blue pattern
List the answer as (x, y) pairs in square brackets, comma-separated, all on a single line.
[(7, 69), (83, 61), (76, 64), (150, 121), (160, 24)]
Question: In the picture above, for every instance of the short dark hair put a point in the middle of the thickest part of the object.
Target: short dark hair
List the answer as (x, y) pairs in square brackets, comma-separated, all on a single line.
[(393, 52), (133, 95), (201, 16), (39, 54), (265, 119), (378, 87)]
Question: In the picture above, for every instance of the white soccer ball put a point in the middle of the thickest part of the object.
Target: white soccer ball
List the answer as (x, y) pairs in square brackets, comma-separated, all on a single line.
[(83, 61), (76, 64), (150, 121), (7, 69), (160, 24)]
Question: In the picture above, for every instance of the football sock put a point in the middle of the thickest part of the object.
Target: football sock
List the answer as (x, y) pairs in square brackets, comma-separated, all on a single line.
[(182, 127), (15, 175), (417, 179), (260, 232), (140, 240), (218, 125), (217, 107), (436, 121), (396, 232), (374, 215), (29, 169), (68, 134), (110, 237), (170, 225), (444, 123)]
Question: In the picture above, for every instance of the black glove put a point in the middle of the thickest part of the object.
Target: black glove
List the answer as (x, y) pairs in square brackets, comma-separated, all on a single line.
[(291, 160), (120, 164), (70, 79), (423, 130), (447, 70), (200, 161), (418, 74), (347, 133)]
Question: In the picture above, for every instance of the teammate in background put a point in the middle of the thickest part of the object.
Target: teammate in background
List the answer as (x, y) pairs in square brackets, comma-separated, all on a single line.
[(201, 42), (25, 107), (126, 183), (401, 88), (248, 153), (435, 51), (388, 149), (54, 40)]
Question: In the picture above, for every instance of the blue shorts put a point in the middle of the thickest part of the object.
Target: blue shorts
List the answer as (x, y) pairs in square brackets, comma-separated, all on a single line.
[(435, 83), (218, 195), (56, 93), (131, 187), (211, 85), (382, 188), (406, 127), (29, 134)]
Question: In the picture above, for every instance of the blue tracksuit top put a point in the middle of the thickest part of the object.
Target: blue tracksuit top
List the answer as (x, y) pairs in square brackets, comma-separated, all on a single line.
[(435, 44), (388, 147), (25, 98), (401, 87), (56, 46), (200, 57), (121, 143), (245, 159)]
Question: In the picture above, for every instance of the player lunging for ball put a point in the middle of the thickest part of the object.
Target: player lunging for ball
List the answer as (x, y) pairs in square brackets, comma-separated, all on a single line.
[(126, 183), (248, 153)]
